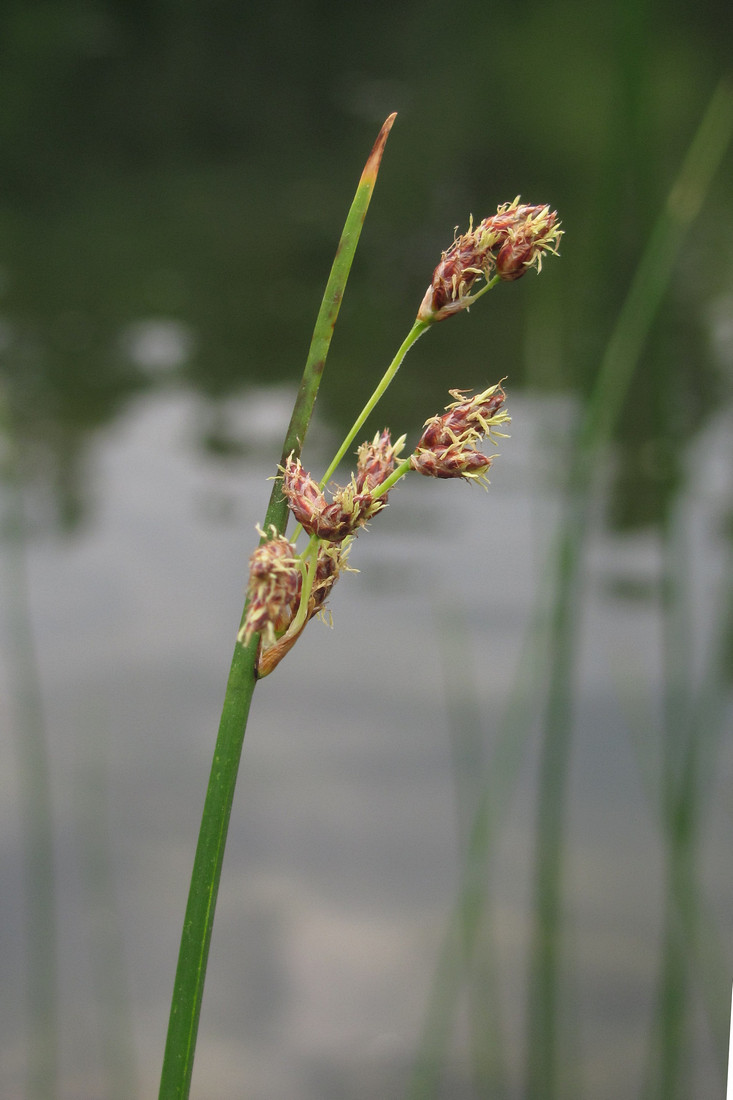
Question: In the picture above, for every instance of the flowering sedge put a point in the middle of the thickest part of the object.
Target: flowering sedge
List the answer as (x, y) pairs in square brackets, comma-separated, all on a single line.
[(286, 588)]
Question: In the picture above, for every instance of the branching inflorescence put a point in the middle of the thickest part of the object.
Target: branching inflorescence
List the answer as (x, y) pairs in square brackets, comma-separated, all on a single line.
[(287, 588)]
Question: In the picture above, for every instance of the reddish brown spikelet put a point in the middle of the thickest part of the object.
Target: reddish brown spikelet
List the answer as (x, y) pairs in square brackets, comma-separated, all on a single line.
[(273, 591), (376, 461), (468, 259), (305, 498), (508, 243), (330, 563), (447, 447), (524, 233), (453, 461), (477, 416), (334, 521)]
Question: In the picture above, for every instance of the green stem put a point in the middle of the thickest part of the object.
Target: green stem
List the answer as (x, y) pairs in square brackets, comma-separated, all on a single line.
[(489, 285), (397, 474), (199, 920), (413, 335), (308, 566), (418, 328), (175, 1083)]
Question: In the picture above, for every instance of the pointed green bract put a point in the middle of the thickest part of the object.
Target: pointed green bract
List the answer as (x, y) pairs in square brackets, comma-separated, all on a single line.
[(175, 1083), (277, 511)]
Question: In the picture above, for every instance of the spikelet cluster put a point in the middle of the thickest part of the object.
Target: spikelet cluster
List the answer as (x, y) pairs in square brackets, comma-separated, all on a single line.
[(274, 587), (276, 571), (351, 506), (447, 447), (507, 244)]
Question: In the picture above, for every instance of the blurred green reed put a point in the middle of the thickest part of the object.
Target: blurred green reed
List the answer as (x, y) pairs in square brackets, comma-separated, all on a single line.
[(29, 723), (544, 1060), (677, 789), (105, 930), (550, 658), (692, 958)]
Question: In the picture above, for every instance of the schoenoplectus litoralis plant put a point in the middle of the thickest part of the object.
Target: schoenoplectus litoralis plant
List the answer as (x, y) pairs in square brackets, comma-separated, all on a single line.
[(289, 585)]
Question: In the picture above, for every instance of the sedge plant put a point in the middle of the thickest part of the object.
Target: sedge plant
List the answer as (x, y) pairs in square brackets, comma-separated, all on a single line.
[(289, 584)]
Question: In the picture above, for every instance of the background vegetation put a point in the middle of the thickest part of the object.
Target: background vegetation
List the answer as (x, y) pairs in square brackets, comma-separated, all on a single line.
[(173, 179)]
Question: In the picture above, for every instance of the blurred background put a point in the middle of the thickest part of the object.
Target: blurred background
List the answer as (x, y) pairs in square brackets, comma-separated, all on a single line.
[(481, 839)]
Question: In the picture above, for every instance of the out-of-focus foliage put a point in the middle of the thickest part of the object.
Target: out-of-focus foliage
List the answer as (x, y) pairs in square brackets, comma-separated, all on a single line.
[(174, 177)]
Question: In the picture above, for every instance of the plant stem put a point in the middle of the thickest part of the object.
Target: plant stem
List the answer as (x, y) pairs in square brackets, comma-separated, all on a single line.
[(413, 335), (418, 328), (397, 474), (175, 1083), (308, 565), (199, 920)]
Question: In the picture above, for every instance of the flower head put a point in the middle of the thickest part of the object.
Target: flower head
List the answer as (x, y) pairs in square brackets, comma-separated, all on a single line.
[(330, 564), (508, 244), (350, 508), (448, 446), (525, 233), (273, 591), (376, 461), (468, 259)]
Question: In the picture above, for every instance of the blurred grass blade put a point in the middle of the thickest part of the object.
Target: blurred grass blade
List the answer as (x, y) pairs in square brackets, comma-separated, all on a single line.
[(188, 990), (35, 774), (610, 391), (729, 1090), (653, 274), (552, 613)]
